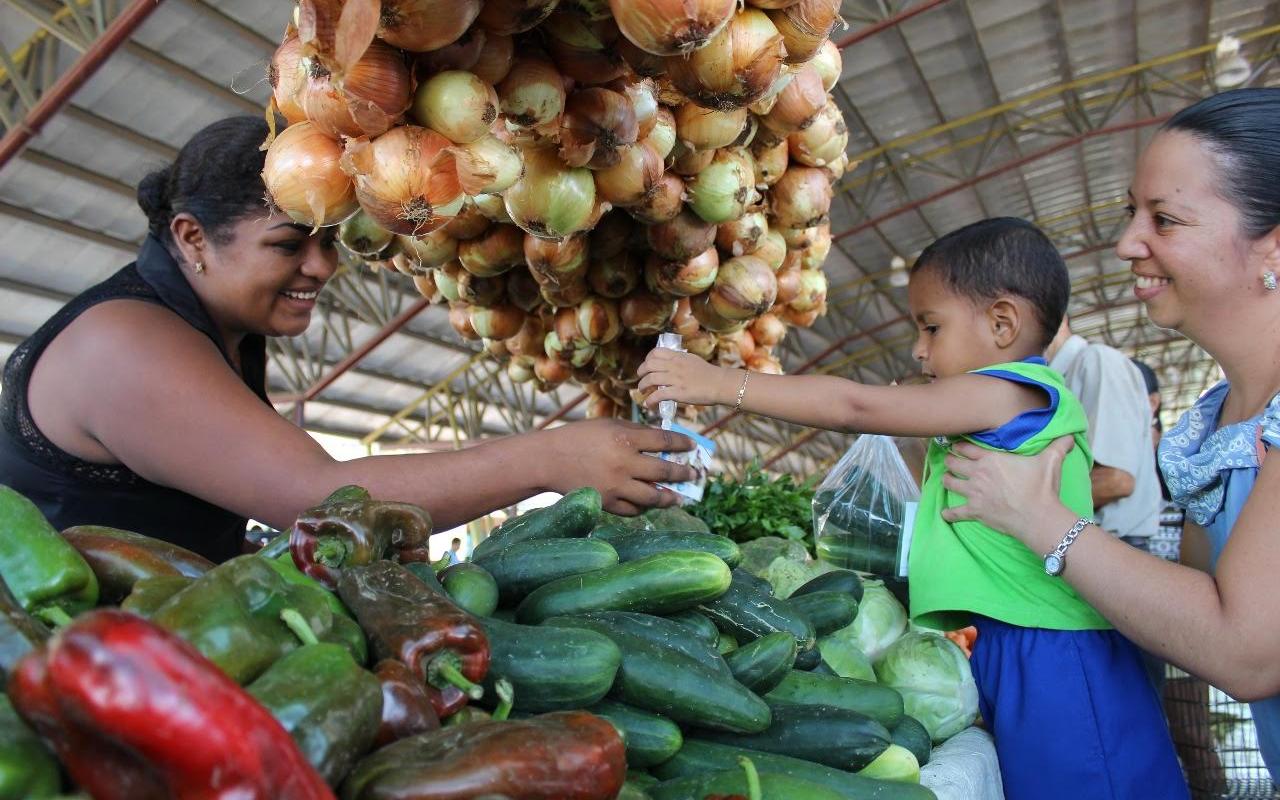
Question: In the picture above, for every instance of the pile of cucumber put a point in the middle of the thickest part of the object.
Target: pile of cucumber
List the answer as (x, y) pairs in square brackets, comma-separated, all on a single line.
[(695, 662)]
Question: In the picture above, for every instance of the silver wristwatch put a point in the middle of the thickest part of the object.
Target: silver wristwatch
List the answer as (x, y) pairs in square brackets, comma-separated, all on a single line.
[(1055, 561)]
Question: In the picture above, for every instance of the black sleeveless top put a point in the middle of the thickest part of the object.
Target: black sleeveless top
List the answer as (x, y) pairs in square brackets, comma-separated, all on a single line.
[(72, 491)]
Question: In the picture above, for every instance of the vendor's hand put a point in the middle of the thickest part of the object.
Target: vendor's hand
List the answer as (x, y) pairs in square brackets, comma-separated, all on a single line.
[(686, 378), (613, 456), (1007, 492)]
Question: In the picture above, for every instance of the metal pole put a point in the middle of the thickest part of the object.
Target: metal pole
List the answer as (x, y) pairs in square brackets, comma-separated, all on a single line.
[(873, 29)]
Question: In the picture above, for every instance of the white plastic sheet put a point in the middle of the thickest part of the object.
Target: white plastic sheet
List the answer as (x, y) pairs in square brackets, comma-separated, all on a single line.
[(965, 767)]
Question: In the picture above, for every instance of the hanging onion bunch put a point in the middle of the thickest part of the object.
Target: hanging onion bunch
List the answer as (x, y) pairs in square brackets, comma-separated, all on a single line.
[(405, 179), (736, 67), (422, 25), (597, 123), (304, 177), (671, 27)]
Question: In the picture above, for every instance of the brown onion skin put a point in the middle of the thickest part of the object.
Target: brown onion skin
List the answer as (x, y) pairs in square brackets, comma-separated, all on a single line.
[(616, 276), (461, 54), (663, 204), (495, 58), (499, 321), (745, 288), (709, 319), (611, 235), (671, 27), (768, 330), (682, 321), (287, 77), (417, 158), (598, 320), (523, 290), (510, 17), (682, 278), (597, 123), (804, 26), (423, 25), (460, 319), (493, 253), (797, 106), (557, 263), (305, 177), (480, 291), (646, 314), (468, 224), (681, 238), (801, 198), (633, 180), (755, 64), (743, 235)]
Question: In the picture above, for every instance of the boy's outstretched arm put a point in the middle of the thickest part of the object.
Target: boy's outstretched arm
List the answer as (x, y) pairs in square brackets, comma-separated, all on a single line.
[(948, 407)]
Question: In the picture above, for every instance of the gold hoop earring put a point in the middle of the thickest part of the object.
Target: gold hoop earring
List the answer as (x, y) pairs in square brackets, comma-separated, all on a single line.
[(1269, 281)]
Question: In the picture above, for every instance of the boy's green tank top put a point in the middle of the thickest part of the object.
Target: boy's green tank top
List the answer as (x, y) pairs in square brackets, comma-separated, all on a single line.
[(964, 568)]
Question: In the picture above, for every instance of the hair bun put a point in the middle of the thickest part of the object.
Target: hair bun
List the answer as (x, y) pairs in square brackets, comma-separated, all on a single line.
[(153, 199)]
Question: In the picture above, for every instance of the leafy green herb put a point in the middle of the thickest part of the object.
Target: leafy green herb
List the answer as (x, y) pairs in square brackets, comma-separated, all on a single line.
[(757, 506)]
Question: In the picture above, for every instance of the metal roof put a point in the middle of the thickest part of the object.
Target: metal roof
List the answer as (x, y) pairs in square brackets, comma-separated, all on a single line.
[(957, 109)]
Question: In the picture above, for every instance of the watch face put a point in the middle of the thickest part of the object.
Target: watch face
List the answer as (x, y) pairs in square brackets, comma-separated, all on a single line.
[(1053, 564)]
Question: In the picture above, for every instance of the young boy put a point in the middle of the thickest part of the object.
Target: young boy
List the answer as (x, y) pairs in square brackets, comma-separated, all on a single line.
[(1073, 712)]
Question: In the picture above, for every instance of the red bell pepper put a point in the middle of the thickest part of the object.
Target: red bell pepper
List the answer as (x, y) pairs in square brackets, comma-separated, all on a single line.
[(136, 713), (351, 530), (406, 708)]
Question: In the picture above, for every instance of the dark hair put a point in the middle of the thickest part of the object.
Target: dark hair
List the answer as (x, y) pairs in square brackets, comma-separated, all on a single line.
[(1003, 255), (456, 541), (1242, 128), (1148, 376), (217, 178)]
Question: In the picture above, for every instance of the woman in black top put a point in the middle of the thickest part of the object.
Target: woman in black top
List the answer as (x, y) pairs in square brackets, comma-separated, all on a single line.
[(142, 403)]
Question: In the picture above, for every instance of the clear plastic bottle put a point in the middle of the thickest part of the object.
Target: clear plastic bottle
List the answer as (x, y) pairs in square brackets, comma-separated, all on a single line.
[(667, 408)]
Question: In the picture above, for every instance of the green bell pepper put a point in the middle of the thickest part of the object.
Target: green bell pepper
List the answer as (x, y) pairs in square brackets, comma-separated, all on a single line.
[(150, 593), (50, 580), (284, 565), (20, 633), (27, 768)]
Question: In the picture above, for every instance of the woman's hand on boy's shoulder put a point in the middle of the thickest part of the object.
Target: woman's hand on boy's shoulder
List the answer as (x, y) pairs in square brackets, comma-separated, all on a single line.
[(685, 378)]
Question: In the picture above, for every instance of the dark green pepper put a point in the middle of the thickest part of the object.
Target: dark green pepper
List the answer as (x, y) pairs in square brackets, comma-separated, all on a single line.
[(284, 565), (329, 705), (50, 580), (150, 593), (20, 633), (27, 768)]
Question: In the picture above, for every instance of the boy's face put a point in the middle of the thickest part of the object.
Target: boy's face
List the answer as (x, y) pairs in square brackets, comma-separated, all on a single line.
[(954, 334)]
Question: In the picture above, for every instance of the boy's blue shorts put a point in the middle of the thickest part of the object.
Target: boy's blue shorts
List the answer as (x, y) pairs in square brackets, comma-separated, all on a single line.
[(1074, 715)]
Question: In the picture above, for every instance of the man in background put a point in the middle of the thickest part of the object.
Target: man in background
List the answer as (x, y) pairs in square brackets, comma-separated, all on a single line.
[(455, 552)]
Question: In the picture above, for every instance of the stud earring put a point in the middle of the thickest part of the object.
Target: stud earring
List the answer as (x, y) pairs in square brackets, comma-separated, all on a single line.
[(200, 268), (1269, 281)]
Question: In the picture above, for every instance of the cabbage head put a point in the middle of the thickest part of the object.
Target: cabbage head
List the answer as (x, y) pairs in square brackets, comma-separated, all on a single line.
[(786, 575), (758, 554), (934, 679), (844, 657), (881, 620)]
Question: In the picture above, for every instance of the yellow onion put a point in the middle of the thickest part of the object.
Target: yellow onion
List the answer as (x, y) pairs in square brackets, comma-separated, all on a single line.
[(487, 165), (591, 9), (815, 254), (426, 286), (646, 314), (829, 64), (770, 162), (556, 263), (568, 331), (551, 372), (711, 320), (743, 235), (493, 252), (745, 288), (374, 93), (494, 347), (797, 239), (469, 222), (736, 348), (644, 64), (797, 106), (514, 16), (617, 275), (681, 238), (456, 104), (478, 290), (494, 59), (823, 141), (772, 3), (788, 279), (611, 236), (532, 94), (583, 49), (663, 135), (765, 103), (305, 179), (671, 27), (597, 123), (551, 200), (706, 129), (813, 291), (682, 320), (772, 249), (422, 25), (736, 67), (682, 278), (520, 370), (835, 169), (599, 406), (805, 26), (643, 95), (720, 192), (748, 134), (764, 362), (460, 319), (633, 179), (287, 75), (702, 343), (405, 179), (490, 206), (446, 278), (581, 359), (663, 204), (523, 290), (598, 320), (801, 198), (364, 237), (496, 322), (405, 265), (767, 330), (688, 163), (803, 319), (431, 250), (528, 340), (462, 54)]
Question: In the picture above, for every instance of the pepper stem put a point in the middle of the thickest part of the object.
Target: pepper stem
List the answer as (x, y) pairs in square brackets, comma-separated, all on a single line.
[(299, 626), (331, 551), (446, 670), (53, 615), (753, 778), (506, 698)]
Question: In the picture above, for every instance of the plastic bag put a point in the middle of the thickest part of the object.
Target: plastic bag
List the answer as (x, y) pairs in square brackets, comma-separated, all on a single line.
[(864, 509)]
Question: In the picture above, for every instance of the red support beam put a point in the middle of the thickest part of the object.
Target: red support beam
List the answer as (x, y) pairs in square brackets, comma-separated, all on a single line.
[(799, 441), (119, 31), (561, 411), (889, 22), (1000, 170)]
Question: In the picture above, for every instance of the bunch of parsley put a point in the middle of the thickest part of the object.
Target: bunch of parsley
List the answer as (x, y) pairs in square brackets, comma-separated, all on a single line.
[(757, 505)]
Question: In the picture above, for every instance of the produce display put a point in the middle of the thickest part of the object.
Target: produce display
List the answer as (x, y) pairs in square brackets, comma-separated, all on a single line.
[(665, 673), (573, 176)]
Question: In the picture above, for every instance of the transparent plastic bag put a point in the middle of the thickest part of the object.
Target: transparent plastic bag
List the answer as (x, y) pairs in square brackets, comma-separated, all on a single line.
[(863, 508)]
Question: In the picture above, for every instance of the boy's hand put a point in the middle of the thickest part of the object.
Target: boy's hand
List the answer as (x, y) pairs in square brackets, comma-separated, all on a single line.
[(686, 378)]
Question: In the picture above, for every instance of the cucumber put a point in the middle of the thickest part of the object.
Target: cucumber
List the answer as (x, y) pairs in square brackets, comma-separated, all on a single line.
[(657, 584), (668, 682), (726, 644), (471, 587), (823, 668), (837, 580), (896, 763), (641, 779), (827, 611), (881, 703), (698, 757), (828, 735), (572, 516), (762, 664), (425, 573), (664, 633), (747, 613), (633, 791), (524, 566), (702, 627), (504, 615), (550, 668), (633, 544), (913, 735), (733, 782), (650, 738)]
